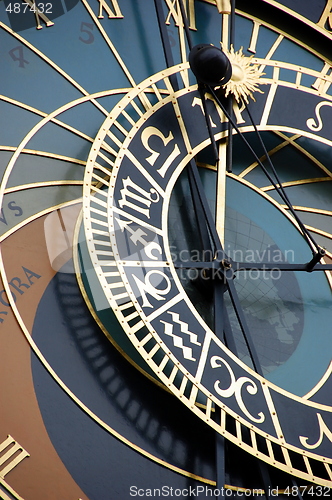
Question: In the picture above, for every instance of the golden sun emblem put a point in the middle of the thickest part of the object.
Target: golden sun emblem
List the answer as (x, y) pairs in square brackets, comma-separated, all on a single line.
[(245, 76)]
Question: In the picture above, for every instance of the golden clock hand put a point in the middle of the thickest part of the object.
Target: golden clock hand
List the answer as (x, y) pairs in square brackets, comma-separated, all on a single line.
[(227, 9), (212, 68)]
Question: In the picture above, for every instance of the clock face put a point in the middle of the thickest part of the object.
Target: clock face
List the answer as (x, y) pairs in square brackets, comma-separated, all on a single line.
[(108, 190)]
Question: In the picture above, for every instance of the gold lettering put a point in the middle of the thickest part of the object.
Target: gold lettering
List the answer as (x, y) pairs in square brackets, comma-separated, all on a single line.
[(254, 37), (326, 17), (14, 452), (131, 190), (324, 431), (235, 388), (38, 14), (198, 102), (316, 124), (149, 132), (175, 12), (112, 14), (147, 287), (237, 112)]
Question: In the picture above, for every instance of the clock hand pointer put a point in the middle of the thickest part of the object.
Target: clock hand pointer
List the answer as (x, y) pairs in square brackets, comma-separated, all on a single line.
[(212, 67), (220, 288), (317, 251)]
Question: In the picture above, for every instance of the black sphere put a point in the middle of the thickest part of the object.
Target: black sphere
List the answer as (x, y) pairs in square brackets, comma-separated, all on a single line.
[(210, 65)]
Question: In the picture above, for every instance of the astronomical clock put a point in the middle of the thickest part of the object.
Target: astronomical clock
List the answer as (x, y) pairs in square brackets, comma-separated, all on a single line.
[(166, 249)]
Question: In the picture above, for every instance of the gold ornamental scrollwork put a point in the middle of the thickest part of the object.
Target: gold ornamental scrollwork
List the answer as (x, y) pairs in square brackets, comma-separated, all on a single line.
[(324, 431), (235, 388), (317, 125)]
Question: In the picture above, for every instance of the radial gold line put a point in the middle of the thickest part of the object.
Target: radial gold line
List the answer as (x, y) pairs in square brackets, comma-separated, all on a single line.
[(268, 104), (272, 51), (59, 122), (298, 183), (116, 54), (39, 126), (290, 37), (120, 128), (311, 210), (128, 118), (101, 180), (183, 383), (292, 142), (109, 43), (97, 211), (107, 160), (173, 374), (164, 308), (79, 403), (287, 141), (41, 113), (101, 168), (225, 31), (221, 192), (136, 108), (272, 410), (114, 138), (308, 466), (183, 51), (10, 490), (254, 37), (53, 65), (99, 191), (34, 185), (298, 78), (157, 92), (319, 231), (208, 409), (45, 154)]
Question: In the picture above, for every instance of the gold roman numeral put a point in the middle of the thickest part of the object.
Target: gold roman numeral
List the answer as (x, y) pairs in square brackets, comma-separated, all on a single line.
[(254, 37), (13, 454), (326, 17), (39, 15), (111, 7), (175, 12)]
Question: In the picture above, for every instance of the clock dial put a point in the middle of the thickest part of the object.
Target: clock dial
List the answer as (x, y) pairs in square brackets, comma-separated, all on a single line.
[(139, 278), (97, 114)]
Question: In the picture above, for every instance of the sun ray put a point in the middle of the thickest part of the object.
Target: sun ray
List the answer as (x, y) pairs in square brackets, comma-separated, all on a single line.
[(245, 76)]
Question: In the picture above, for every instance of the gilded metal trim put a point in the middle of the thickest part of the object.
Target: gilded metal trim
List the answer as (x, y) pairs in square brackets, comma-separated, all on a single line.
[(59, 381), (299, 182), (52, 64), (135, 332), (45, 154)]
